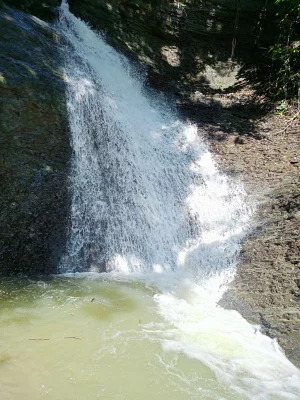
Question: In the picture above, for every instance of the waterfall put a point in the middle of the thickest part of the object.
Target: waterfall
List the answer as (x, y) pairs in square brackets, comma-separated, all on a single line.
[(146, 192), (150, 205)]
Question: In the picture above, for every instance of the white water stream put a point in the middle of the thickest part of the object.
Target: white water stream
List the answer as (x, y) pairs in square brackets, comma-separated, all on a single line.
[(153, 213)]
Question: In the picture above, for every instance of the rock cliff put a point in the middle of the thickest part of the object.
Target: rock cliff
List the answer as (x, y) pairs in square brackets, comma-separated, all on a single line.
[(34, 146)]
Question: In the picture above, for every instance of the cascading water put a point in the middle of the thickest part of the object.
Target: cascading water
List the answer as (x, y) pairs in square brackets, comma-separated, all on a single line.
[(148, 200), (147, 195), (151, 211)]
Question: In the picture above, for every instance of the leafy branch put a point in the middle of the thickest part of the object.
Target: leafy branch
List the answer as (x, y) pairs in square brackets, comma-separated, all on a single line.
[(286, 51)]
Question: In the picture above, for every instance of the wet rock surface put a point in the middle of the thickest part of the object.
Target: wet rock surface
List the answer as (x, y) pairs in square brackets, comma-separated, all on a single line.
[(266, 289), (44, 10), (34, 147)]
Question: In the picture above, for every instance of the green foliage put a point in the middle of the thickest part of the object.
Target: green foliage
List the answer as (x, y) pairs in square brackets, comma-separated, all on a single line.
[(282, 107), (286, 51)]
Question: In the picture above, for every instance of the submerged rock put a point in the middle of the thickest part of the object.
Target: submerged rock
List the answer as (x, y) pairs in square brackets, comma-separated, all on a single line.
[(34, 146)]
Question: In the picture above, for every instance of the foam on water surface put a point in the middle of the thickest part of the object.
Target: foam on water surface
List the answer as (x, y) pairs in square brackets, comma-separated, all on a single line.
[(132, 337)]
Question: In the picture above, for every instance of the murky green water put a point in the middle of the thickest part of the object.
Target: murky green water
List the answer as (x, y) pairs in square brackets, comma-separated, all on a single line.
[(78, 338)]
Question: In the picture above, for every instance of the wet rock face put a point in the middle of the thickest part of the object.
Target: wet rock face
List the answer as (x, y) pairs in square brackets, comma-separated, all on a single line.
[(44, 10), (209, 43), (266, 289), (34, 147)]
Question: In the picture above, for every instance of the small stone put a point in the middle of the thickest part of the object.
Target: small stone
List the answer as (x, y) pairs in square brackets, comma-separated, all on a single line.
[(239, 140), (297, 215)]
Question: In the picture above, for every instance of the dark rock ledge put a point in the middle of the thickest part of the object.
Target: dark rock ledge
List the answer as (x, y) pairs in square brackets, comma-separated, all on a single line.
[(34, 147)]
